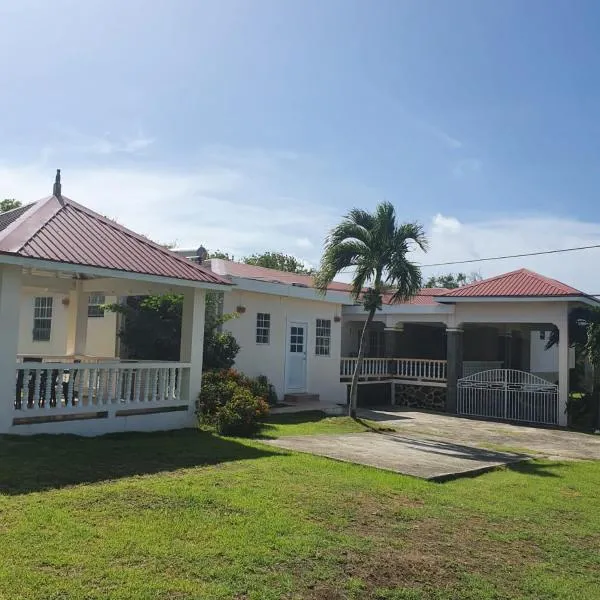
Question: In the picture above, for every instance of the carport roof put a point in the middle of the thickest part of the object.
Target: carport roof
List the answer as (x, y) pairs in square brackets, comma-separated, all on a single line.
[(516, 284)]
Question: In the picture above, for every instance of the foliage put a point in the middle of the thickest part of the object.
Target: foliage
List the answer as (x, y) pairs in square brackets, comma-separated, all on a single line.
[(152, 330), (221, 254), (242, 414), (581, 408), (232, 402), (375, 246), (279, 261), (451, 280), (9, 204)]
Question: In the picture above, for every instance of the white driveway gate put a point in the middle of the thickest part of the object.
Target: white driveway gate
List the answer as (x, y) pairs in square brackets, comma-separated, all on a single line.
[(510, 395)]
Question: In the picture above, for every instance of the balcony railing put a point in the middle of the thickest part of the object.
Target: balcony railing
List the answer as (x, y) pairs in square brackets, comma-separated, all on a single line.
[(61, 388), (418, 369)]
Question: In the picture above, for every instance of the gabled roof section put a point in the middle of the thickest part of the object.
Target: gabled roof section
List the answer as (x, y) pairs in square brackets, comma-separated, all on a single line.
[(516, 284), (58, 229)]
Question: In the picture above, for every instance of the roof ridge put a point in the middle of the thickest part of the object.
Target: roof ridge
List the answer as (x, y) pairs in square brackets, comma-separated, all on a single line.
[(541, 277), (132, 234)]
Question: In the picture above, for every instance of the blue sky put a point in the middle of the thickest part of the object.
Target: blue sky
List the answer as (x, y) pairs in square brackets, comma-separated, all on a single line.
[(251, 125)]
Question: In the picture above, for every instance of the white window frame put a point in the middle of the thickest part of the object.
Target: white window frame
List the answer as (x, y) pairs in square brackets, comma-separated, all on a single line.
[(323, 337), (42, 313), (95, 302), (263, 329)]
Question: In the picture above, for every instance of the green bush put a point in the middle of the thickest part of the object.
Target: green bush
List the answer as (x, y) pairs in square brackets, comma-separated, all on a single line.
[(242, 414), (581, 408), (233, 402)]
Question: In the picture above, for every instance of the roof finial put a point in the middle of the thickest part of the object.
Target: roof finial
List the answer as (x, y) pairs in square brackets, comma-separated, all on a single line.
[(57, 189)]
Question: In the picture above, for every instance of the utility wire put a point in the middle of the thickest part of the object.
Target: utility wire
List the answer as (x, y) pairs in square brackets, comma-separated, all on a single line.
[(489, 258)]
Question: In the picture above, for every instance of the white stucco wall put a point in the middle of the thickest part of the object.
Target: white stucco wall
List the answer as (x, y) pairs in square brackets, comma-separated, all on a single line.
[(101, 334), (542, 360), (269, 359)]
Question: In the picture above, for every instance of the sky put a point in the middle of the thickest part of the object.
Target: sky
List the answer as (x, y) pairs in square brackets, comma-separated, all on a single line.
[(251, 125)]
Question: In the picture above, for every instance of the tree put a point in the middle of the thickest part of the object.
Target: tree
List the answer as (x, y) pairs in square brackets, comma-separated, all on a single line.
[(152, 330), (279, 261), (375, 246), (451, 281), (8, 204), (221, 254)]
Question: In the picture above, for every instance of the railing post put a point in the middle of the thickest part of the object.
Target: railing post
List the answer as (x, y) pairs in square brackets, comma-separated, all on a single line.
[(192, 343)]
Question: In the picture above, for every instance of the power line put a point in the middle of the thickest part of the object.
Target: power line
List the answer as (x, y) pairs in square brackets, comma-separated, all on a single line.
[(489, 258)]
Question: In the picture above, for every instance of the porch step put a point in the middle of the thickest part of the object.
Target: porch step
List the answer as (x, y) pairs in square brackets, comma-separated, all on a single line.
[(301, 397)]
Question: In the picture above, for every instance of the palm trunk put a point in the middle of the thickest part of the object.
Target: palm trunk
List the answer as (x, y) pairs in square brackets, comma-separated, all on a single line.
[(359, 362), (596, 397)]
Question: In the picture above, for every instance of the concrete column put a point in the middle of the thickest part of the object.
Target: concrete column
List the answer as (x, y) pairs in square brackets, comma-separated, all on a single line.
[(563, 368), (454, 356), (10, 306), (77, 320), (192, 343)]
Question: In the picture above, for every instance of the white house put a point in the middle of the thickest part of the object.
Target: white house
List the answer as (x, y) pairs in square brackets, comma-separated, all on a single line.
[(57, 258)]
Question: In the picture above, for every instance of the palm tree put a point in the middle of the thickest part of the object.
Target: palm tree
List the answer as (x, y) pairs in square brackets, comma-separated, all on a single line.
[(375, 247)]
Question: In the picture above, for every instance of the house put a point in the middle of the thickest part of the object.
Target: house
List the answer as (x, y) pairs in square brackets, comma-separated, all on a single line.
[(478, 350), (57, 357)]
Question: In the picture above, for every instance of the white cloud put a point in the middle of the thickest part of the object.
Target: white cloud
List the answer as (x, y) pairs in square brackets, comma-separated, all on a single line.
[(441, 224)]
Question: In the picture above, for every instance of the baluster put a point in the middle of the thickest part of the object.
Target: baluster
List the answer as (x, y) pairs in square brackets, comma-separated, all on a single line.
[(172, 384), (137, 384), (178, 374), (154, 384), (101, 386), (117, 389), (147, 380), (70, 382), (93, 387)]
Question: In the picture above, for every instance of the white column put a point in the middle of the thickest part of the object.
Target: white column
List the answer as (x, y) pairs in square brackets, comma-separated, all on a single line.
[(77, 321), (563, 367), (192, 343), (10, 300)]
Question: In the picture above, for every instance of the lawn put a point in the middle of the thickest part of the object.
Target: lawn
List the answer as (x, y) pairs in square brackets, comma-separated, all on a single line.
[(191, 515)]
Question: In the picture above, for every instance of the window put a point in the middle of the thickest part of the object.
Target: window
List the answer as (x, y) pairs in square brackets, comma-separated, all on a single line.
[(542, 335), (95, 304), (323, 337), (42, 318), (263, 328), (296, 339)]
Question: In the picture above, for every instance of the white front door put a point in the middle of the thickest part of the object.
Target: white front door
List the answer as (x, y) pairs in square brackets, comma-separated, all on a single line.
[(295, 364)]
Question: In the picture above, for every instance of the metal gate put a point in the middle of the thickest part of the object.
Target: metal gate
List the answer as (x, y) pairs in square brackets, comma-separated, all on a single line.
[(509, 395)]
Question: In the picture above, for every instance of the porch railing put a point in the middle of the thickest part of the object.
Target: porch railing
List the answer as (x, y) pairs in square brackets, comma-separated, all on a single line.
[(397, 368), (62, 388)]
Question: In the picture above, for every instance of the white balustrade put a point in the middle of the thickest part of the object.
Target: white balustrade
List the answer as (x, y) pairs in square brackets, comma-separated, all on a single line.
[(60, 388), (397, 368)]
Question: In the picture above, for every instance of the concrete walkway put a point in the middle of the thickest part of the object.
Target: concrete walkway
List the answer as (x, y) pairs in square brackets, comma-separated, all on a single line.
[(406, 454), (552, 443)]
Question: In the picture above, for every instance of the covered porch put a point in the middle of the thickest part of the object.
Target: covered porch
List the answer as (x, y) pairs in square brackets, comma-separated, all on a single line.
[(63, 387)]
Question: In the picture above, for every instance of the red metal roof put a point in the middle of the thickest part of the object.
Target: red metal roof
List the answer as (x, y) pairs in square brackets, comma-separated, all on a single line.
[(61, 230), (521, 283), (234, 269)]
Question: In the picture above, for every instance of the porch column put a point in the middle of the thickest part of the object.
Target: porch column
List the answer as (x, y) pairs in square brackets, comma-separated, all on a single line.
[(192, 343), (454, 356), (77, 321), (10, 306), (563, 368)]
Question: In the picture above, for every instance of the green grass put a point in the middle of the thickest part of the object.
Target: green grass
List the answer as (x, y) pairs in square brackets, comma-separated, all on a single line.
[(191, 515)]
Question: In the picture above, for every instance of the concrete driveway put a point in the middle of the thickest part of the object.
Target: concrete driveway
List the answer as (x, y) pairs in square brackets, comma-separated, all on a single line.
[(551, 443), (409, 455), (439, 447)]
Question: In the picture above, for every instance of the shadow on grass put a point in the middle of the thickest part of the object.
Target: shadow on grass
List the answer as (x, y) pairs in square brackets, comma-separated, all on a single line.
[(539, 469), (37, 463), (269, 428)]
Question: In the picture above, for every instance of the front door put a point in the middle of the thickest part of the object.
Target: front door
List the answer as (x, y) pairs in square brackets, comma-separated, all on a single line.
[(295, 364)]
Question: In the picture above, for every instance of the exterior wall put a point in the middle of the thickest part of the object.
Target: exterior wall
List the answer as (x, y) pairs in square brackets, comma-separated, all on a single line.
[(101, 335), (544, 363), (323, 372)]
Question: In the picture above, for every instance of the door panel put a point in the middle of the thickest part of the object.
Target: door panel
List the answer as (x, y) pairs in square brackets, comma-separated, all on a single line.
[(296, 357)]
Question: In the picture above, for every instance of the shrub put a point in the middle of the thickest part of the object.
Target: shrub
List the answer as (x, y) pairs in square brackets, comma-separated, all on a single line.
[(262, 387), (581, 408), (241, 415), (233, 402)]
